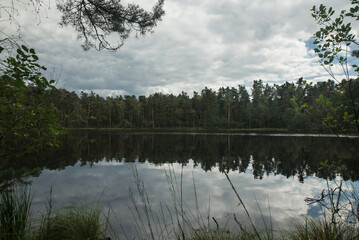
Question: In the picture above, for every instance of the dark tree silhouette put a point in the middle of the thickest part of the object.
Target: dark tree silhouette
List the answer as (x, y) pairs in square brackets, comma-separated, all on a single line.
[(96, 20)]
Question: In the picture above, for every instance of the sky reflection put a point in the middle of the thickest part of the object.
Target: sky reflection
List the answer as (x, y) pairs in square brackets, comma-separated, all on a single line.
[(108, 183)]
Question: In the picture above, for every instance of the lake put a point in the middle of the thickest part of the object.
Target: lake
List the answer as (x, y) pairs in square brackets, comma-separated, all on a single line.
[(272, 173)]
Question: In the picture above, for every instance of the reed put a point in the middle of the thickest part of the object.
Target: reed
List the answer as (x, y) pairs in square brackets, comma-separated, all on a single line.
[(15, 207), (182, 222), (322, 229), (75, 222)]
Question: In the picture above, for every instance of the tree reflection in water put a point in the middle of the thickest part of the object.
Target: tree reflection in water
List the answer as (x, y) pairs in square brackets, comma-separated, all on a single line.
[(97, 164), (263, 154)]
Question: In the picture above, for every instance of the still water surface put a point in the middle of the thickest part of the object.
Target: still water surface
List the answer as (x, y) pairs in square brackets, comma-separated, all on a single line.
[(268, 171)]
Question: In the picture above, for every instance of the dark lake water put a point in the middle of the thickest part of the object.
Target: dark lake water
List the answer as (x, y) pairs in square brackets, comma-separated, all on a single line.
[(272, 171)]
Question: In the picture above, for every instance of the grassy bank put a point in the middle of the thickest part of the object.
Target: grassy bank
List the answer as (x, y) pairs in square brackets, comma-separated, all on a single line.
[(75, 222)]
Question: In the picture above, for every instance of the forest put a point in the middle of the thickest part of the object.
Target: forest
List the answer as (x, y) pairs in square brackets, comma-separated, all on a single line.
[(299, 106)]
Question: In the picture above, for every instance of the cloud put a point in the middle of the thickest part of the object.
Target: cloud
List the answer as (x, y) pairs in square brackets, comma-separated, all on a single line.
[(198, 43)]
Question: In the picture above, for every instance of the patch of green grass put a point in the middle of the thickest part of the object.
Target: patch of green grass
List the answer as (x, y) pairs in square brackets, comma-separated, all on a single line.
[(322, 229), (77, 222), (14, 213)]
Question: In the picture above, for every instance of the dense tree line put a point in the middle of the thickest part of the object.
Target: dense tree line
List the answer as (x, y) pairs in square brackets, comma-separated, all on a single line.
[(277, 106)]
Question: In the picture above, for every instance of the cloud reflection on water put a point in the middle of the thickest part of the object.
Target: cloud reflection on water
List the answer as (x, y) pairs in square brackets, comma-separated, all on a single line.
[(109, 183)]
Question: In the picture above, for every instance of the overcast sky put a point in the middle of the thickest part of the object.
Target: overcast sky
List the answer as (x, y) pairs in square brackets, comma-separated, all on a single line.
[(199, 43)]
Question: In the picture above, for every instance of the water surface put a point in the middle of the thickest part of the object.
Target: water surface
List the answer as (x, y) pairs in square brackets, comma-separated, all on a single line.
[(275, 172)]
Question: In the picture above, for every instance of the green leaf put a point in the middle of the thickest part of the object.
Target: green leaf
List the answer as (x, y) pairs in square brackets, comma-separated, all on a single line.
[(35, 57), (19, 51), (24, 48)]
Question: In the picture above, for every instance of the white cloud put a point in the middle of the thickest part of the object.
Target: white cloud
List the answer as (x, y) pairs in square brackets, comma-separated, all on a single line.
[(198, 43)]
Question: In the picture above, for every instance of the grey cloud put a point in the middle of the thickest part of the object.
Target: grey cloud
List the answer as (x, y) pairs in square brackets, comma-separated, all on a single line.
[(198, 43)]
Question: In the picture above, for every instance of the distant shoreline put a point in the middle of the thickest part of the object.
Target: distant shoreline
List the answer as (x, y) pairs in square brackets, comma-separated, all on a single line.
[(219, 131)]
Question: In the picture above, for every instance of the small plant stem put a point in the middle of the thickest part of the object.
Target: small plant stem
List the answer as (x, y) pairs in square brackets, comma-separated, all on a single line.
[(244, 206)]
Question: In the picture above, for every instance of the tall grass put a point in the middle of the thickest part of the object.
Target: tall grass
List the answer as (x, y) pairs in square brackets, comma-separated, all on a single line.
[(175, 220), (15, 207), (74, 222), (322, 229), (77, 222)]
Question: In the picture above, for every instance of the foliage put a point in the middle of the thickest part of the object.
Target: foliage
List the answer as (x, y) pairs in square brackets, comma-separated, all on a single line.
[(96, 20), (28, 122), (336, 46), (279, 106), (9, 176)]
